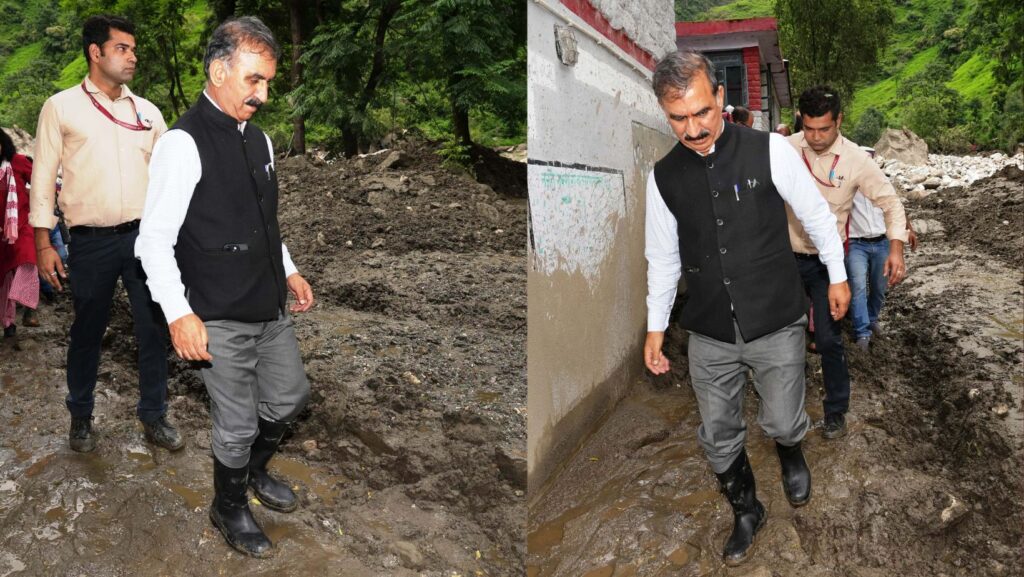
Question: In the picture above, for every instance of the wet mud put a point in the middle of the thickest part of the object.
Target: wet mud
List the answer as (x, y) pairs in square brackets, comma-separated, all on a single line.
[(925, 483), (411, 456)]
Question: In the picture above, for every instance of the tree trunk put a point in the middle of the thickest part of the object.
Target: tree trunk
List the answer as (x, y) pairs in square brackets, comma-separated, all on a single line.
[(349, 141), (460, 123), (298, 145)]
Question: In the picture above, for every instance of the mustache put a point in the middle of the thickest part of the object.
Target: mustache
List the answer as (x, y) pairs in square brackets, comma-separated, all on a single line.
[(702, 134), (255, 103)]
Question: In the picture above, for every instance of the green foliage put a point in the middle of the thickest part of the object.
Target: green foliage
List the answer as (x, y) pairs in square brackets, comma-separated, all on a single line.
[(694, 10), (22, 58), (742, 9), (834, 42), (868, 128), (455, 154), (73, 73)]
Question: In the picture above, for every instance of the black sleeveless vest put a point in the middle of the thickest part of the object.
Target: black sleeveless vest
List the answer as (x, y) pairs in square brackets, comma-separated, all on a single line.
[(733, 239), (229, 247)]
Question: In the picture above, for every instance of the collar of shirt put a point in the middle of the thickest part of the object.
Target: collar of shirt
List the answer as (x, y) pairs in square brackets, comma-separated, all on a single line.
[(94, 90), (241, 125)]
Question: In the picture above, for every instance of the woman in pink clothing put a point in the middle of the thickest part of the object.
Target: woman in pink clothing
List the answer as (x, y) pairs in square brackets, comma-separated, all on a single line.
[(19, 280)]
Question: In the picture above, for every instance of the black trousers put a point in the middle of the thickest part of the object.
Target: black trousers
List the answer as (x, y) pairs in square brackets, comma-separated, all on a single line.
[(96, 263), (828, 337)]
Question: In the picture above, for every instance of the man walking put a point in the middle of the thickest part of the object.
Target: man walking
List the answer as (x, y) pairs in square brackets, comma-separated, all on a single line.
[(716, 213), (840, 169), (102, 135), (218, 268)]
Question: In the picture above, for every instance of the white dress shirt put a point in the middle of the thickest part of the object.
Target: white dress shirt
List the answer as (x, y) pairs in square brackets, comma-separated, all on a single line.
[(174, 171), (795, 187), (866, 219)]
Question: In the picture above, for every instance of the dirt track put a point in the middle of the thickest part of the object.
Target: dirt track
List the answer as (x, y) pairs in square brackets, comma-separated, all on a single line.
[(410, 458), (927, 482)]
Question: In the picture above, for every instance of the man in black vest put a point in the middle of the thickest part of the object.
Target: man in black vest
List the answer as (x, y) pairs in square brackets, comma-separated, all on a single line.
[(211, 247), (716, 212)]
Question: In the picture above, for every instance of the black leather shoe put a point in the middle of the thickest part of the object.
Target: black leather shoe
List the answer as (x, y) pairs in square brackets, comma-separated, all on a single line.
[(80, 436), (274, 494), (796, 477), (738, 486), (162, 434), (231, 515), (834, 426)]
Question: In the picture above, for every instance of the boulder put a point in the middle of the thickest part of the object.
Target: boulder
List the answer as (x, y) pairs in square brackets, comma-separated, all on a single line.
[(904, 146)]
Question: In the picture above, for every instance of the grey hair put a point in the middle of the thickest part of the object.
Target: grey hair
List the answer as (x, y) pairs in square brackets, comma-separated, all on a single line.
[(676, 71), (234, 33)]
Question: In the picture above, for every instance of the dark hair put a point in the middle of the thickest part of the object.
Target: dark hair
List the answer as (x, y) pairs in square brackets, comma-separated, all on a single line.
[(7, 149), (798, 122), (234, 33), (676, 71), (96, 30), (740, 115), (818, 100)]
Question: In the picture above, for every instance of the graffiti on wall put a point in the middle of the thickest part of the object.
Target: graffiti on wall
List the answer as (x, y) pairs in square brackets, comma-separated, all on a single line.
[(574, 213)]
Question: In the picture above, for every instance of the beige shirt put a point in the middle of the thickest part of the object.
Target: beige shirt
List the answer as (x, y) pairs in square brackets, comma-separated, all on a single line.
[(854, 171), (105, 166)]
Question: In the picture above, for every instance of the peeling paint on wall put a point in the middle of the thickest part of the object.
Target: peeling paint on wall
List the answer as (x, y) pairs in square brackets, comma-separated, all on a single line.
[(575, 213)]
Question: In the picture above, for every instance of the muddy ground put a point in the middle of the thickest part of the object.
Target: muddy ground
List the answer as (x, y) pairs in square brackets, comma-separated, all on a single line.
[(410, 458), (927, 483)]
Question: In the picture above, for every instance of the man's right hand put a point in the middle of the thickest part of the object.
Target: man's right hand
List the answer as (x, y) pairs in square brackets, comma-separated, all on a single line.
[(188, 335), (656, 362), (838, 299)]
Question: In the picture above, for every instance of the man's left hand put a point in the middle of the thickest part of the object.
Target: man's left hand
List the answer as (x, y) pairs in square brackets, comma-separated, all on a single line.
[(302, 292), (895, 269)]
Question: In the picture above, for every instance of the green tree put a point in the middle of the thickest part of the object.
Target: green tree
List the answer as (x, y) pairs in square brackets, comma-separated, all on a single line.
[(869, 127), (833, 41)]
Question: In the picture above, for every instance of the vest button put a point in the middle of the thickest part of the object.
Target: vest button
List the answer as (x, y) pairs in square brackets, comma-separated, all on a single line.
[(726, 281), (722, 250), (714, 193), (719, 222)]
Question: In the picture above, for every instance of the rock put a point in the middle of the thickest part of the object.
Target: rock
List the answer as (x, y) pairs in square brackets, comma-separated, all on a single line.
[(410, 378), (929, 226), (904, 146), (309, 446), (428, 179), (23, 141), (953, 513), (394, 160), (918, 178), (409, 554), (933, 182), (488, 212), (1001, 410), (377, 243)]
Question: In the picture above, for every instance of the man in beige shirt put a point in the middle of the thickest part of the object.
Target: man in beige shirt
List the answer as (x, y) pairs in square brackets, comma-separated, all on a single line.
[(101, 135), (840, 169)]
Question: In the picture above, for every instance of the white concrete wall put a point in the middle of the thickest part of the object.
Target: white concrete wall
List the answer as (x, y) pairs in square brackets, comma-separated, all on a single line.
[(595, 129)]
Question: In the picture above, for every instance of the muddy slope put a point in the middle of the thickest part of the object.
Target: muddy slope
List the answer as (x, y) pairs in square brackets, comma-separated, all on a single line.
[(927, 482), (410, 458)]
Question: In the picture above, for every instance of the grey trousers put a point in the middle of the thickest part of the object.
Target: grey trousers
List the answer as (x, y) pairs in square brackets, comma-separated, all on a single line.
[(256, 372), (718, 375)]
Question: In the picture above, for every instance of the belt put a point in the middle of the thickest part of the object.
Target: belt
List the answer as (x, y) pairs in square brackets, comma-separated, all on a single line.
[(878, 238), (805, 256), (124, 227)]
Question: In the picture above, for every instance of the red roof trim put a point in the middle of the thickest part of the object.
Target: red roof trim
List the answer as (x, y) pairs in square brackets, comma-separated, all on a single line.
[(585, 10), (713, 27)]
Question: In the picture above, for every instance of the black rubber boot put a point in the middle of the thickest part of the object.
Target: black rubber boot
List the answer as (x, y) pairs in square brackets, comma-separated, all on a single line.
[(271, 492), (230, 511), (748, 513), (796, 477)]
